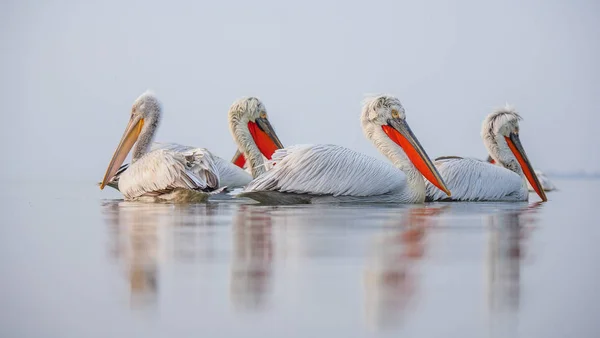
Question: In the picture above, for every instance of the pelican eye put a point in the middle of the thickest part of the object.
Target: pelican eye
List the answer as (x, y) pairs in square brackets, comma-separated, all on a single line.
[(263, 115), (395, 114)]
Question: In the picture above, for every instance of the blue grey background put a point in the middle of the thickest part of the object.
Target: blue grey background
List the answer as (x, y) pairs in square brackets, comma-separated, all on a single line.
[(71, 70)]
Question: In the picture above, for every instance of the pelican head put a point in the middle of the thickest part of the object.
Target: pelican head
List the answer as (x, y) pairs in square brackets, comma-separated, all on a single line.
[(252, 131), (500, 133), (144, 119), (385, 112), (147, 106)]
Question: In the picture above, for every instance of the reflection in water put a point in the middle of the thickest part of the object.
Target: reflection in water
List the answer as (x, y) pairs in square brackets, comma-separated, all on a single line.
[(251, 267), (193, 229), (391, 276), (507, 232), (144, 234), (135, 242)]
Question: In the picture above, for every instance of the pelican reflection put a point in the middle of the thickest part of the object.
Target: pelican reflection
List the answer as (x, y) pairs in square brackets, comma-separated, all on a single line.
[(252, 259), (133, 228), (508, 232), (144, 236), (391, 276)]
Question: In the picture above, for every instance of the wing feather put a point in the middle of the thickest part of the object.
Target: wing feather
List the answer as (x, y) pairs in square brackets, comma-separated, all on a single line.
[(164, 170), (328, 170), (171, 146), (474, 180), (230, 175)]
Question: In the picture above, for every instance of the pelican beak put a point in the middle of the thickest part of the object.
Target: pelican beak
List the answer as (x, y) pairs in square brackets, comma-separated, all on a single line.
[(132, 132), (514, 143), (398, 131), (264, 136), (238, 159)]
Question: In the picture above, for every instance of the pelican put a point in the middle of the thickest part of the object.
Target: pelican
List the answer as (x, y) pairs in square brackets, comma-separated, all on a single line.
[(245, 111), (172, 172), (330, 173), (252, 132), (475, 180), (544, 180)]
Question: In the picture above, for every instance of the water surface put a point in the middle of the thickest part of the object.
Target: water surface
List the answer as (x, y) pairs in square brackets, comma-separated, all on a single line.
[(78, 262)]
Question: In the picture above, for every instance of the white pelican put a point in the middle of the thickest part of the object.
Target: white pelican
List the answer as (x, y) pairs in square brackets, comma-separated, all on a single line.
[(331, 173), (474, 180), (172, 172), (253, 134), (544, 180)]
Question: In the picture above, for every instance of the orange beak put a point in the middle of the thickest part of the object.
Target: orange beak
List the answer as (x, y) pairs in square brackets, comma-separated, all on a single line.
[(399, 132), (239, 159), (514, 143), (264, 136), (132, 132)]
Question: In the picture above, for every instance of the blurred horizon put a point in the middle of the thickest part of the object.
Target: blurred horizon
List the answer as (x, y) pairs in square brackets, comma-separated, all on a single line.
[(72, 70)]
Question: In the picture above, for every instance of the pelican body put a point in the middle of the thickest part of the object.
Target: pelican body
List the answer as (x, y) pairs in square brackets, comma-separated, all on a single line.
[(176, 173), (330, 173), (230, 175), (248, 116), (546, 183), (475, 180)]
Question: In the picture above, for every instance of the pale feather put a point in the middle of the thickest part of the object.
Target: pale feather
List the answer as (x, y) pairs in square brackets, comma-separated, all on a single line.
[(161, 171), (329, 173), (474, 180), (230, 175), (546, 183), (329, 170)]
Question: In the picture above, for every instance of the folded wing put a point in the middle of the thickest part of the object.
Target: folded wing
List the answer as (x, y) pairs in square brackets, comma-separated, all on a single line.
[(328, 170), (161, 171), (474, 180)]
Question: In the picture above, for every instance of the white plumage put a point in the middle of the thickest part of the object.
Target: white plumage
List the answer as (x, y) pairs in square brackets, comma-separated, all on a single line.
[(253, 133), (161, 174), (175, 172), (326, 169), (331, 173), (474, 180), (230, 175), (166, 175), (545, 181)]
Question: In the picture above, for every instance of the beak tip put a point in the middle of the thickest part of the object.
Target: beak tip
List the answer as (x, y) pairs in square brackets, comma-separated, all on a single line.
[(542, 194)]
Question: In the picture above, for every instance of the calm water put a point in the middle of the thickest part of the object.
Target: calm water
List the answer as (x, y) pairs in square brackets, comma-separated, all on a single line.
[(77, 263)]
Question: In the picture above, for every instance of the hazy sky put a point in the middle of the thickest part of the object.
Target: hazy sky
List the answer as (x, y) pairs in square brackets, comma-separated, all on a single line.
[(70, 71)]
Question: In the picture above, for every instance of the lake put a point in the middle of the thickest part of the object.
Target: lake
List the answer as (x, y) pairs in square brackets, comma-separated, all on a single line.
[(79, 262)]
